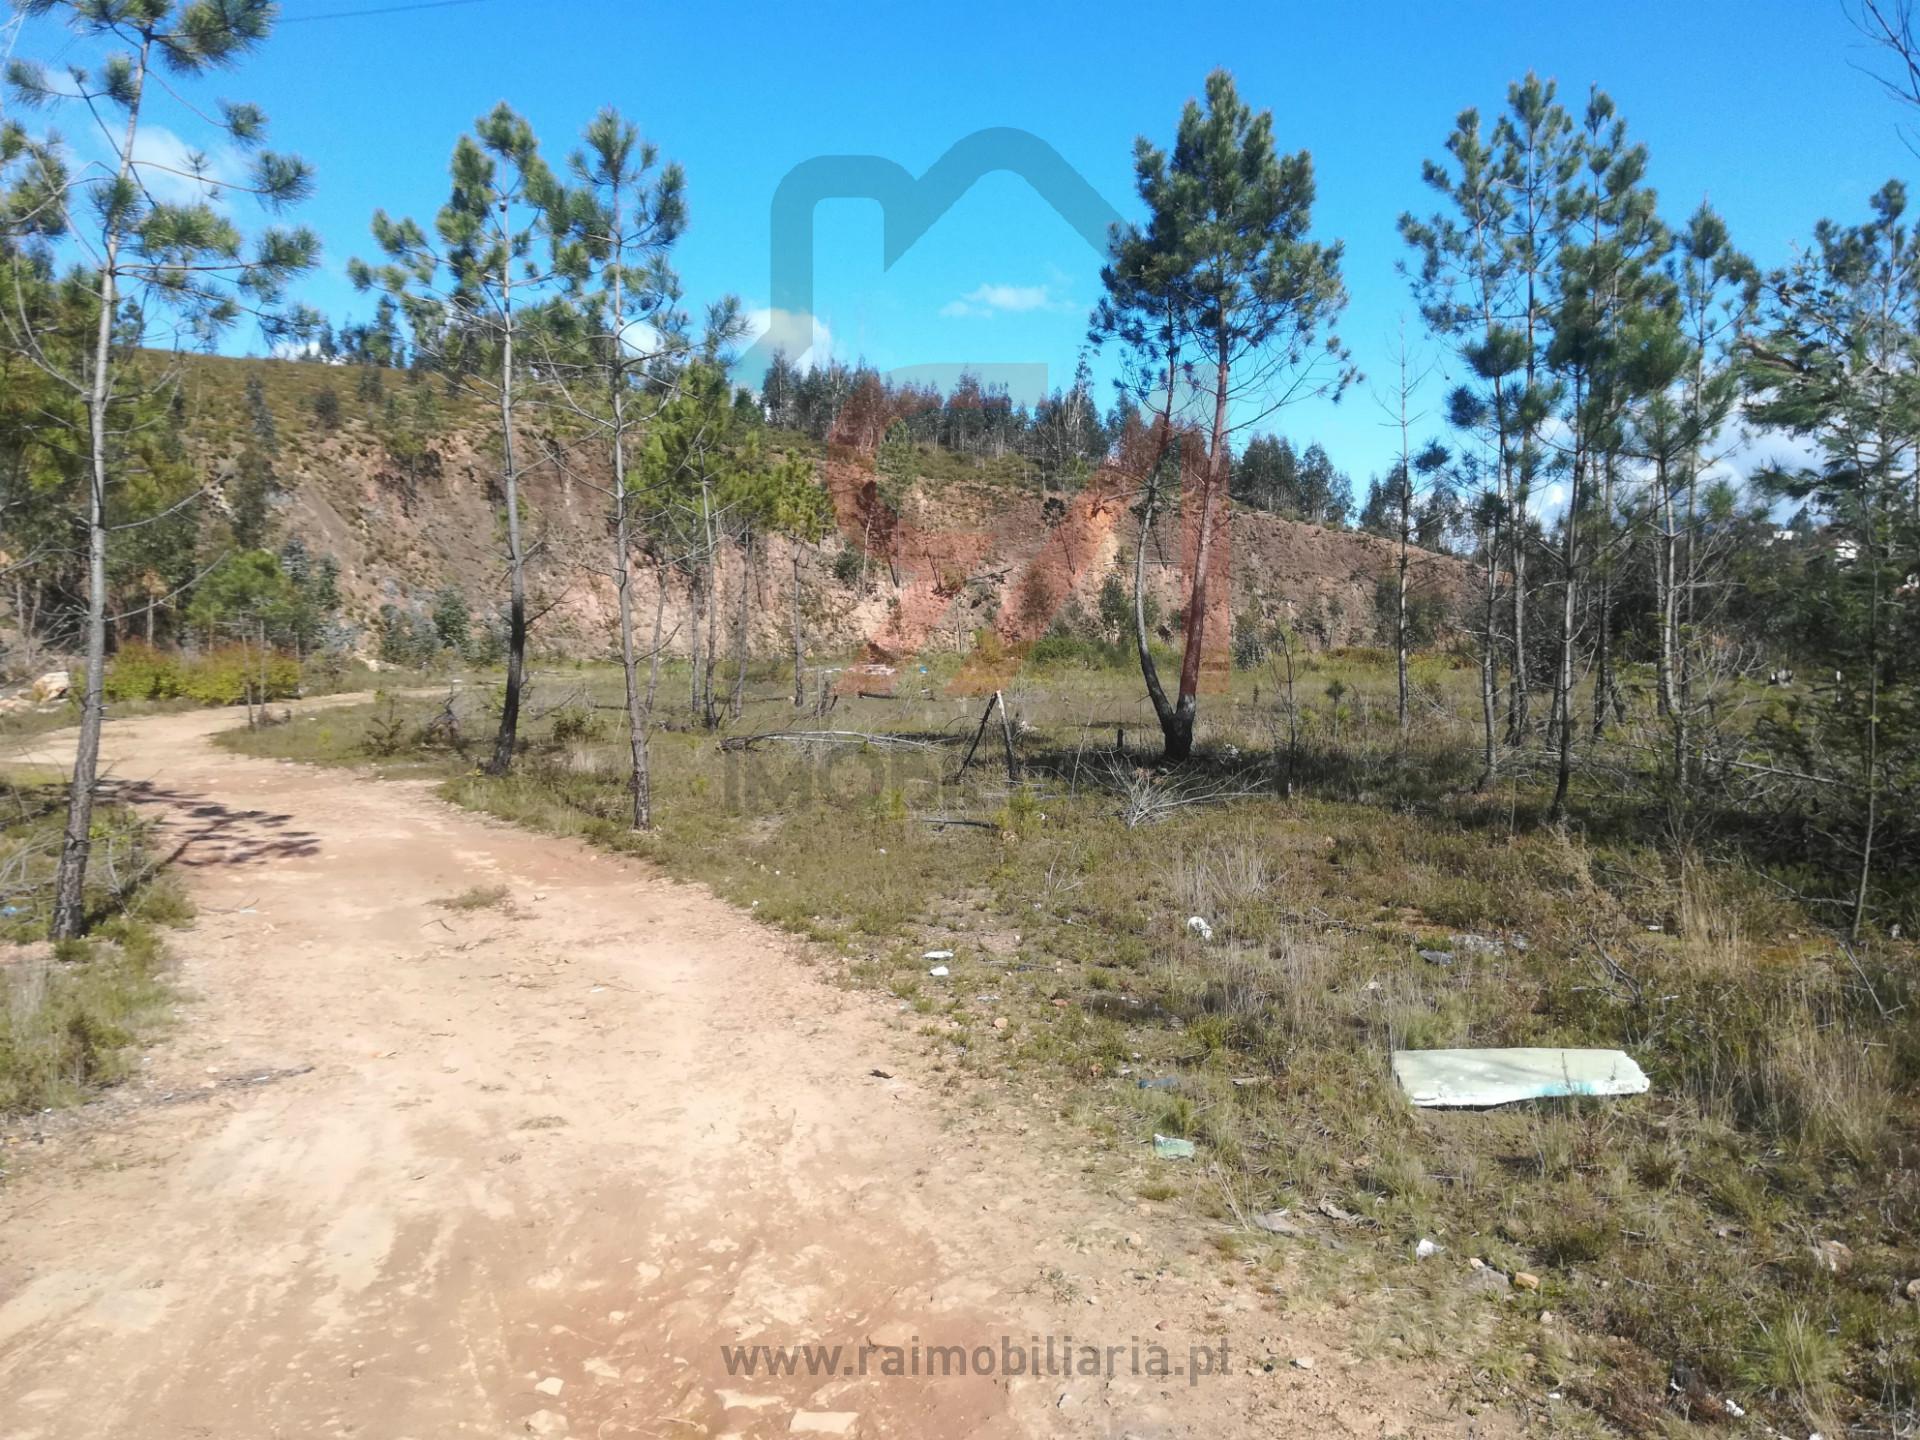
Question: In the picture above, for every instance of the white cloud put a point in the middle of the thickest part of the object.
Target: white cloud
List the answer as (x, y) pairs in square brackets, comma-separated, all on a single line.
[(169, 166), (1003, 300), (806, 339)]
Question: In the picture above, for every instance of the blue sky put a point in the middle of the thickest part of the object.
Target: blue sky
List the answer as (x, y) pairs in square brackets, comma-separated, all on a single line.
[(1758, 106)]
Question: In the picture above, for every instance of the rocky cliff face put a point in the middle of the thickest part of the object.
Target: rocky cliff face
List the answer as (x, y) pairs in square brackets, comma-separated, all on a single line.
[(962, 556)]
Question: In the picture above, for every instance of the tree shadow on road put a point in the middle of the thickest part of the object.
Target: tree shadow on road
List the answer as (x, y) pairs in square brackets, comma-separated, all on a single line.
[(205, 832)]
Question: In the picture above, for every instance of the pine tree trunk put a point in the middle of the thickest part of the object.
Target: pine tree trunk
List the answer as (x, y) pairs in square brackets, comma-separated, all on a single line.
[(659, 619), (639, 775), (506, 738), (799, 638), (696, 588), (1563, 680), (1400, 597), (1869, 554), (1179, 733), (76, 845), (1606, 684), (710, 662), (1517, 722), (1489, 661), (736, 702), (1149, 671)]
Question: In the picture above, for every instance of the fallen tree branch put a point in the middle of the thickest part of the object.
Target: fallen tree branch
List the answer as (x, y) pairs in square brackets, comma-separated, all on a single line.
[(827, 737)]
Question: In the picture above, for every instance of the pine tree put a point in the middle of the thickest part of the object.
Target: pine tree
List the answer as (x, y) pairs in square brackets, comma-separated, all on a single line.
[(1223, 284), (151, 273), (466, 294), (1465, 285), (1688, 386), (1604, 280), (1837, 359), (1538, 156), (628, 210)]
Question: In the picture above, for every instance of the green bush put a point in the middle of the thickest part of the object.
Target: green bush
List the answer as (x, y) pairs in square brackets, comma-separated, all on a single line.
[(137, 671), (574, 723), (217, 677)]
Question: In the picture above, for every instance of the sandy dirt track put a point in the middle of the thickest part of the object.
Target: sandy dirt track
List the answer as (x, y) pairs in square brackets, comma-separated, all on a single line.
[(548, 1158)]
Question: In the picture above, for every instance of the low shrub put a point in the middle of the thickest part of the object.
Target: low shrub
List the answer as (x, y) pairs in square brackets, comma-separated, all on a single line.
[(138, 671)]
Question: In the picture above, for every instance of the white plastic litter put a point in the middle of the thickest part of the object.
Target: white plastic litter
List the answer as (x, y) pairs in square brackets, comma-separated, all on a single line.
[(1473, 1079), (1425, 1250), (939, 972), (1198, 925), (938, 955)]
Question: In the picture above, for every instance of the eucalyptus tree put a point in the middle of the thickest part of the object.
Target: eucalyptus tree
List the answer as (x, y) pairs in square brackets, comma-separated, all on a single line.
[(469, 292), (1836, 358), (627, 210), (157, 259), (1221, 289)]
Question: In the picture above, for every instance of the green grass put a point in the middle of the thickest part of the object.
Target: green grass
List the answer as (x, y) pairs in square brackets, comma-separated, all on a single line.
[(480, 897), (1784, 1065), (72, 1014)]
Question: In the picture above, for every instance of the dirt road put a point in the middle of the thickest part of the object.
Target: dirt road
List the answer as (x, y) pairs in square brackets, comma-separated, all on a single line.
[(406, 1171)]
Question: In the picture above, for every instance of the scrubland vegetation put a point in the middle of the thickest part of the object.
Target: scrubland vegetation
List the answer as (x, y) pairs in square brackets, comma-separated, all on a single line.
[(69, 1012), (1748, 1227)]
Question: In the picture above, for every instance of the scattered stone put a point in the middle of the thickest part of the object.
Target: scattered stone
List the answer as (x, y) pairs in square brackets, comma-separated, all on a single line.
[(1833, 1257), (939, 972), (938, 955), (1913, 1289), (1525, 1280), (1303, 1362), (999, 1022), (1489, 1281), (1437, 957), (52, 686), (1275, 1222), (1334, 1212), (546, 1422), (823, 1422), (552, 1385)]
